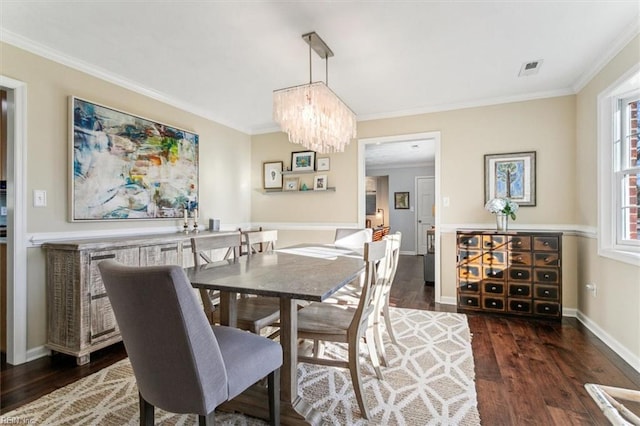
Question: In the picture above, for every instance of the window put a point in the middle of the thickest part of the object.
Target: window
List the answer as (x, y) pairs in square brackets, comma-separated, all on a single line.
[(626, 169), (619, 169)]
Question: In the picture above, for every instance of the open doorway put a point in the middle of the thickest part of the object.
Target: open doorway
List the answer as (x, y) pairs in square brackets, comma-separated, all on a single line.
[(397, 157)]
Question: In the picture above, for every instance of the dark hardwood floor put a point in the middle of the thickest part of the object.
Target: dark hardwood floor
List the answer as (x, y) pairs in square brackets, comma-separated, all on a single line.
[(528, 372)]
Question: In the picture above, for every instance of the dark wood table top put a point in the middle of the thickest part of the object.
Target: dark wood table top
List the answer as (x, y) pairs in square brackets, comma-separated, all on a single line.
[(305, 272)]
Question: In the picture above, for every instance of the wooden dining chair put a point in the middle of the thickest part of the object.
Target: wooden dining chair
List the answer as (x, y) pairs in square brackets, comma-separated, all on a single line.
[(327, 322), (204, 250), (260, 241), (382, 298), (181, 363), (253, 313)]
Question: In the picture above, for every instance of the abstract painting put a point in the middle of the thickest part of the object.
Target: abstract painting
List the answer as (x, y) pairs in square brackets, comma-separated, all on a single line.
[(128, 167), (511, 176)]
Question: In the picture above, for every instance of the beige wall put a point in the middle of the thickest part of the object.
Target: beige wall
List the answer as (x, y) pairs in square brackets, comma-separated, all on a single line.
[(546, 126), (616, 307), (224, 171)]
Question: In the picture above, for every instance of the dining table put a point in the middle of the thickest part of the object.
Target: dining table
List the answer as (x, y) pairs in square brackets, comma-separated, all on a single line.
[(305, 272)]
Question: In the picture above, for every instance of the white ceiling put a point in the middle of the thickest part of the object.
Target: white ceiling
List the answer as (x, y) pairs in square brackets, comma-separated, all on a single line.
[(223, 59)]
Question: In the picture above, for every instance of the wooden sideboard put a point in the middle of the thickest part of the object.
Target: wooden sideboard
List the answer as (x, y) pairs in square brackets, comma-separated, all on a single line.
[(517, 273), (79, 315)]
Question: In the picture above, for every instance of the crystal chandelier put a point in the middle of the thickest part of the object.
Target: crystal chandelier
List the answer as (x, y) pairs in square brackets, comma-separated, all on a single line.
[(311, 114)]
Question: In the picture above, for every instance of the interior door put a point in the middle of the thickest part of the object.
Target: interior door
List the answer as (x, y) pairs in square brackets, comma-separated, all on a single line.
[(426, 197)]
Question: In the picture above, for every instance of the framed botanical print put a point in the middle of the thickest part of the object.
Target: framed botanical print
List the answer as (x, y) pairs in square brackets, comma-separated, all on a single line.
[(511, 176), (303, 161), (272, 174)]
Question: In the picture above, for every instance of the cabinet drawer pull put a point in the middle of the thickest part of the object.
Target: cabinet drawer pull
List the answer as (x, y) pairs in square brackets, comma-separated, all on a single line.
[(518, 243), (546, 276), (104, 256), (547, 259), (493, 303), (493, 288), (547, 292), (519, 258), (519, 290), (546, 244), (546, 308), (519, 274), (519, 305)]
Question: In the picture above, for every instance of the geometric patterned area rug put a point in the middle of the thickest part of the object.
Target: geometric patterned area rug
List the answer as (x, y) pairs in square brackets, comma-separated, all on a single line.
[(429, 381)]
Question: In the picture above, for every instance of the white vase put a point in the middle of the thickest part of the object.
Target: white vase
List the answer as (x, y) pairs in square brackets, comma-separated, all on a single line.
[(502, 222)]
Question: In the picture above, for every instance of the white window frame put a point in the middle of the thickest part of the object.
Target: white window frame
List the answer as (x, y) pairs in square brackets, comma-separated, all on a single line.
[(609, 195)]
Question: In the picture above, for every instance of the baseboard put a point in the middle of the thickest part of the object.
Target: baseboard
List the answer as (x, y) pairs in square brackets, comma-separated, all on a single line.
[(448, 300), (629, 357), (569, 312), (37, 352)]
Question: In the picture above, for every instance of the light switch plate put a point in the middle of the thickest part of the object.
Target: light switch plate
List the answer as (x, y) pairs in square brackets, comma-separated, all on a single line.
[(39, 198)]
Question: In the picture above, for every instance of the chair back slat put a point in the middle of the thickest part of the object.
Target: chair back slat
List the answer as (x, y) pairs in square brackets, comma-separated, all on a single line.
[(374, 257), (265, 239), (353, 238), (202, 245)]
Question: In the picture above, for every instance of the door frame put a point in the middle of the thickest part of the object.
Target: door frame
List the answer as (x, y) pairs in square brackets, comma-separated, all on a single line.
[(16, 220), (417, 215), (435, 136)]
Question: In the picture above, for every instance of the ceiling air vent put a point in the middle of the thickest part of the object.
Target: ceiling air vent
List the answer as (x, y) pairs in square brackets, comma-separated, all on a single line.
[(530, 68)]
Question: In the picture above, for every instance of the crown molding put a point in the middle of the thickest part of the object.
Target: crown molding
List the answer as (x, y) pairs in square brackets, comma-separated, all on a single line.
[(613, 49), (56, 56)]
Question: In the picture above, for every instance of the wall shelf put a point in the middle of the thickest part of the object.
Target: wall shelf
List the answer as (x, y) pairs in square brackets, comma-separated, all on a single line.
[(280, 191)]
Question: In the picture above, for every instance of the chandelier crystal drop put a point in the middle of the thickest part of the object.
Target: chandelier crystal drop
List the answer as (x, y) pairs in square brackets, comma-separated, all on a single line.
[(311, 114)]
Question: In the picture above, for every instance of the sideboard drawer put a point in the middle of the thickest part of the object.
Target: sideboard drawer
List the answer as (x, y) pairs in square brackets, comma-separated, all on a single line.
[(546, 275), (546, 243), (493, 303), (520, 290), (522, 243), (519, 274), (547, 308), (550, 292), (469, 286), (469, 301), (520, 306), (495, 288)]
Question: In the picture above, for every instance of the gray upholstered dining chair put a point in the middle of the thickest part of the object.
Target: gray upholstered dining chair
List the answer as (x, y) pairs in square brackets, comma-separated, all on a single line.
[(327, 322), (181, 363), (253, 313)]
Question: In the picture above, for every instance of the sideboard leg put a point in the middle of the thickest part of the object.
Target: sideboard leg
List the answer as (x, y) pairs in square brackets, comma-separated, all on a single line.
[(82, 360)]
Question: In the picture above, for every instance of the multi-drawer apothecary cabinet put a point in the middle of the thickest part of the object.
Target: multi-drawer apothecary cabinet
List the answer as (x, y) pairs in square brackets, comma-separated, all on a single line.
[(516, 273), (79, 316)]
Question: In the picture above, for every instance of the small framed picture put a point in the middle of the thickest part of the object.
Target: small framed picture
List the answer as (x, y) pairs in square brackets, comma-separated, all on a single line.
[(323, 164), (272, 174), (303, 161), (320, 183), (401, 200), (291, 184), (512, 176)]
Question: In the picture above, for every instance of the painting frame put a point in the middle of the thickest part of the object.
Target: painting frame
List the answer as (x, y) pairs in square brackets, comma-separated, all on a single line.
[(401, 200), (320, 183), (519, 181), (291, 184), (303, 161), (125, 167), (323, 164), (272, 174)]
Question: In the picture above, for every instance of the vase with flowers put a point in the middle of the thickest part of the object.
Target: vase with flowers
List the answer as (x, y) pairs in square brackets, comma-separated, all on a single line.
[(503, 208)]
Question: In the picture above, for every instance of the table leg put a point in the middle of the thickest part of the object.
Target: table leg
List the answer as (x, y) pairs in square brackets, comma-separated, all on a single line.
[(229, 308), (294, 410)]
